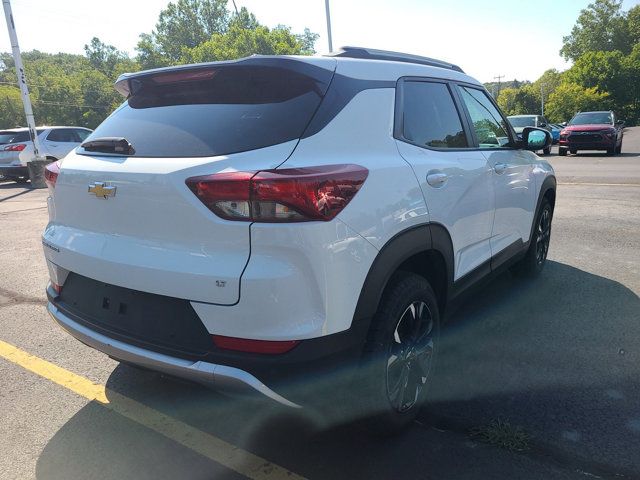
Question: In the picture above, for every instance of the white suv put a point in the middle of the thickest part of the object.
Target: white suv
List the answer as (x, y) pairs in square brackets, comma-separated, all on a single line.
[(16, 147), (273, 222)]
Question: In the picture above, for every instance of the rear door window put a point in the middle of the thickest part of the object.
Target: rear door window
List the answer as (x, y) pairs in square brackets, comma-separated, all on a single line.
[(63, 135), (218, 111), (429, 116), (16, 137)]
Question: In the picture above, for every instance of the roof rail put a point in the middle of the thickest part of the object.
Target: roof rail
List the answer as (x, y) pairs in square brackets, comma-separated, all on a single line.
[(372, 54)]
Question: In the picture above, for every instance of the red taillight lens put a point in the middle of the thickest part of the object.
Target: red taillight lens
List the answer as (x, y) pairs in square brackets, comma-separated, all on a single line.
[(51, 172), (287, 195), (15, 147), (254, 346)]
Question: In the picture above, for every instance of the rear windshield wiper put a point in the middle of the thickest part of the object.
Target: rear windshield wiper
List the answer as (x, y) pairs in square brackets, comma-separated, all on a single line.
[(117, 145)]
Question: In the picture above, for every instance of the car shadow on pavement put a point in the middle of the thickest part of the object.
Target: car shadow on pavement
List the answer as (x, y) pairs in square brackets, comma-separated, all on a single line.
[(557, 356)]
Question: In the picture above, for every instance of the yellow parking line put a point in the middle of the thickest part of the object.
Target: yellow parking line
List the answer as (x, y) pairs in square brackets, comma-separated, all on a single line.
[(226, 454)]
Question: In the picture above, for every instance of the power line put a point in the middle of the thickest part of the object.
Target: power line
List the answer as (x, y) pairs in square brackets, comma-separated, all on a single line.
[(47, 102), (43, 86)]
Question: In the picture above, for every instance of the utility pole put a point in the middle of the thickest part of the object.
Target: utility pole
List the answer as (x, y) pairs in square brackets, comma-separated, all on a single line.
[(499, 78), (326, 5), (541, 99), (235, 6), (37, 163)]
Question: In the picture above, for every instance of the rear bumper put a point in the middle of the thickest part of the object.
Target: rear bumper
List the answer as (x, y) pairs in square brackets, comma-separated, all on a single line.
[(14, 171), (221, 377), (293, 378)]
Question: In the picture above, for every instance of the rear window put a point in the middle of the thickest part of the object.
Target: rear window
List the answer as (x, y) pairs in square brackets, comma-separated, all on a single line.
[(16, 137), (216, 111)]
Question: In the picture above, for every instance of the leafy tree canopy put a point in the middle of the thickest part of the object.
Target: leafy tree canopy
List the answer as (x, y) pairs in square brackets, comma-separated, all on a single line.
[(602, 26)]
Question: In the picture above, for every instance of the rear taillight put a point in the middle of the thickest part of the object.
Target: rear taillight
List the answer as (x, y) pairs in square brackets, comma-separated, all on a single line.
[(287, 195), (51, 172), (15, 147), (269, 347)]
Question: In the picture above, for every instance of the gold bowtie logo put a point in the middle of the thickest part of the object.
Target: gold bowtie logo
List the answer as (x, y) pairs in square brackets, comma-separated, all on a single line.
[(101, 189)]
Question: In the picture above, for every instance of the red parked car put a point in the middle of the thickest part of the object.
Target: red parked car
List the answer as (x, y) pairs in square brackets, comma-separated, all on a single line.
[(592, 131)]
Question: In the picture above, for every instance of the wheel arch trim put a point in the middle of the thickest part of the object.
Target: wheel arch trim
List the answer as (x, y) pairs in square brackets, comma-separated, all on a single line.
[(400, 248)]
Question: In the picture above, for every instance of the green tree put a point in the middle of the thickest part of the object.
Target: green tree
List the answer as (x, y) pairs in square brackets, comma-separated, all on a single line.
[(204, 30), (633, 25), (105, 58), (570, 98), (11, 111), (183, 24), (239, 42), (602, 26), (519, 101)]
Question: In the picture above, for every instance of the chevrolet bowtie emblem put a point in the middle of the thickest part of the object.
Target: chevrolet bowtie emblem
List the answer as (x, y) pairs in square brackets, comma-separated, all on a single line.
[(101, 189)]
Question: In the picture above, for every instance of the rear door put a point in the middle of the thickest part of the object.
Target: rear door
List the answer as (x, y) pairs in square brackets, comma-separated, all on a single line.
[(150, 232), (455, 179), (512, 172)]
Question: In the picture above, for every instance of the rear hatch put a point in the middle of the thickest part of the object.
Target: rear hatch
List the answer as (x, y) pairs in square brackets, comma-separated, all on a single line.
[(12, 142), (150, 232)]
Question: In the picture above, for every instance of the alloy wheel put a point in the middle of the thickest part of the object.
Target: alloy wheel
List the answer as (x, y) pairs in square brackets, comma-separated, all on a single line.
[(543, 236), (411, 356)]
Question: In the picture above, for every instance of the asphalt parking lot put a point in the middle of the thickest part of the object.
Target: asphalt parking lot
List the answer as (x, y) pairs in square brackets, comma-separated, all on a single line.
[(554, 362)]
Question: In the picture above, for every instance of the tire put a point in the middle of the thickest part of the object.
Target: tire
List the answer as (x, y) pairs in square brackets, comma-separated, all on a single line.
[(536, 257), (22, 180), (562, 152), (405, 328), (611, 151), (573, 152), (547, 151)]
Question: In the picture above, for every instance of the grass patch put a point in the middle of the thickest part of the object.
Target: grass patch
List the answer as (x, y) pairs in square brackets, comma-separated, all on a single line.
[(500, 433)]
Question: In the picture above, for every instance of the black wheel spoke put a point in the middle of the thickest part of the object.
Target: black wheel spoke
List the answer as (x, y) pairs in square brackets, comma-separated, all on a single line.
[(410, 356)]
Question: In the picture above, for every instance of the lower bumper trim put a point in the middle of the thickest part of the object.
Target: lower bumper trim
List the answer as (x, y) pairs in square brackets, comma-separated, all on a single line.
[(14, 171), (221, 377)]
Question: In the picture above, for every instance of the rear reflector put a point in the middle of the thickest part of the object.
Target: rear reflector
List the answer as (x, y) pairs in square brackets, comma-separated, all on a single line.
[(254, 346), (51, 172), (287, 195), (16, 147)]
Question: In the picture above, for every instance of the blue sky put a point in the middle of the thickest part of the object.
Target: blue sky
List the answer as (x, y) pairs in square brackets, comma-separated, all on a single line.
[(518, 39)]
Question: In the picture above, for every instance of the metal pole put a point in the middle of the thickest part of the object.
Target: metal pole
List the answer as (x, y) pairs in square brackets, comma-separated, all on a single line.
[(22, 79), (26, 101), (326, 4), (235, 6), (541, 100)]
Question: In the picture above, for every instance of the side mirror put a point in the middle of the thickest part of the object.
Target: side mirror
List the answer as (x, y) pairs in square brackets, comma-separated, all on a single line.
[(535, 139), (620, 122), (542, 125)]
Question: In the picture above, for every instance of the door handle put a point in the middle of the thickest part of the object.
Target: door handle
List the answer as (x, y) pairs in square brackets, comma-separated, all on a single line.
[(437, 179), (500, 168)]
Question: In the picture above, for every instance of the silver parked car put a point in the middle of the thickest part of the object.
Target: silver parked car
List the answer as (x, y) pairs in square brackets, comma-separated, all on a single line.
[(16, 147)]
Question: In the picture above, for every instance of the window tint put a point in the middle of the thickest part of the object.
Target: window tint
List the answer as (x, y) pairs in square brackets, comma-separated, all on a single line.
[(82, 134), (63, 135), (16, 137), (215, 111), (430, 118), (488, 123)]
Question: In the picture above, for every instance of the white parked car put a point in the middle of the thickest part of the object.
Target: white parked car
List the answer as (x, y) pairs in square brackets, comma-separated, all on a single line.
[(16, 148), (273, 223)]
